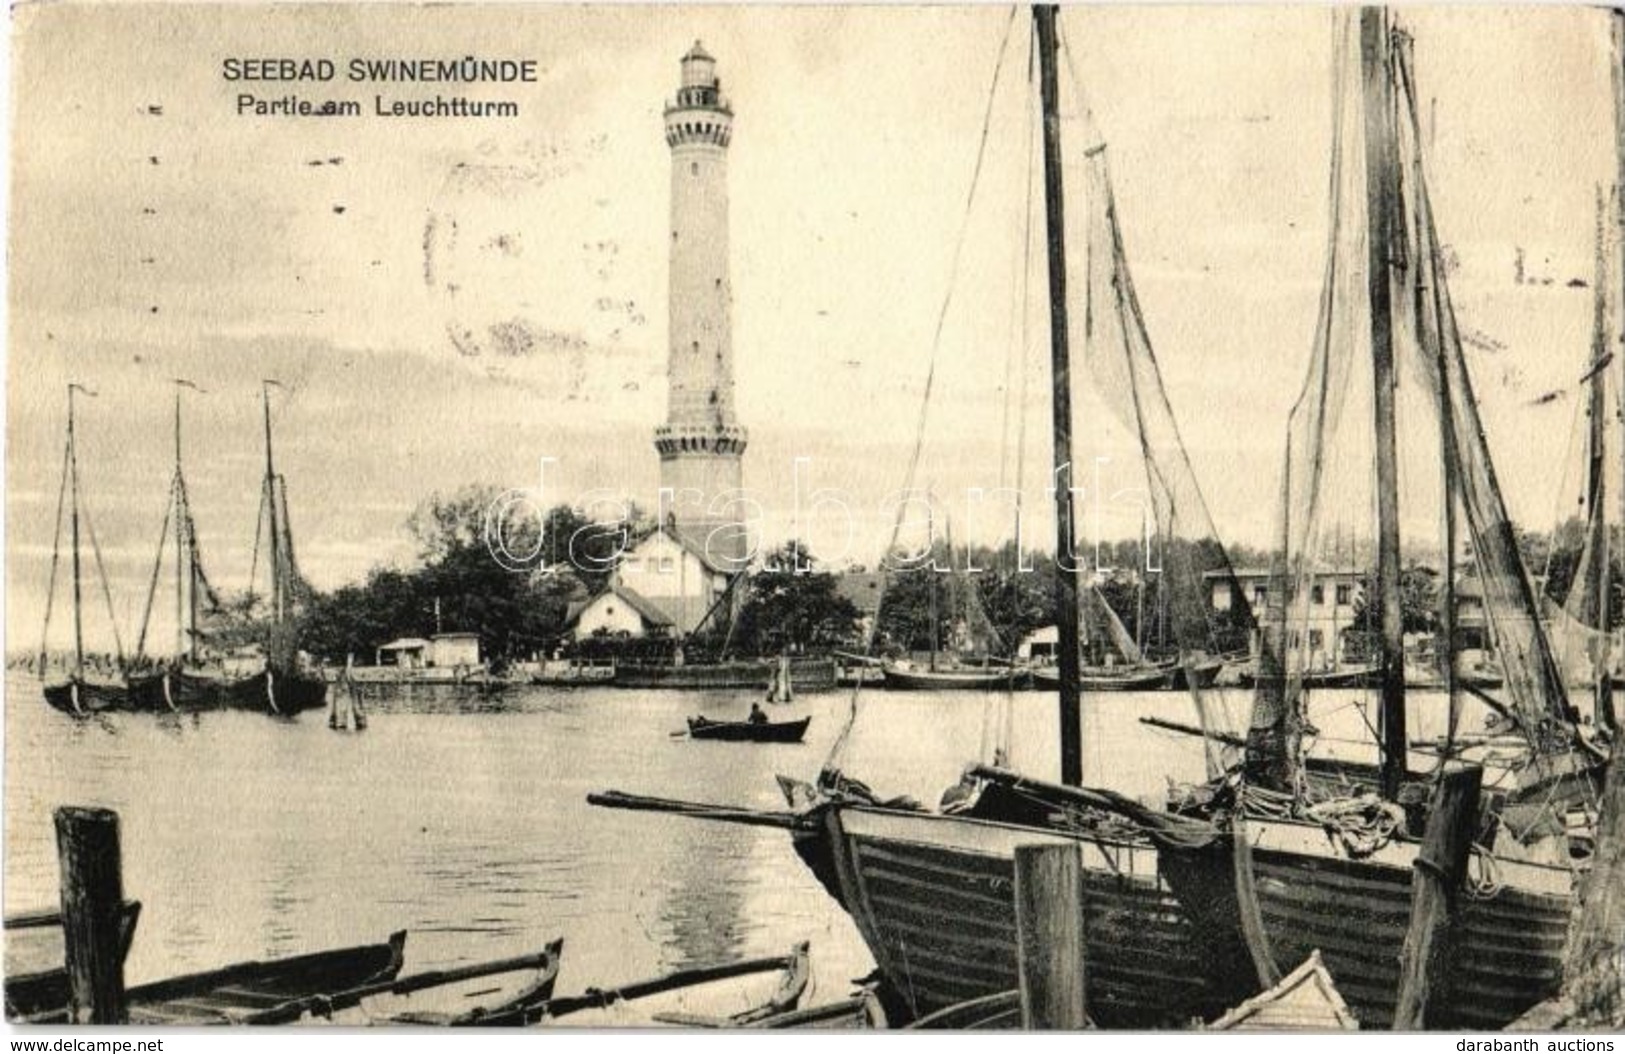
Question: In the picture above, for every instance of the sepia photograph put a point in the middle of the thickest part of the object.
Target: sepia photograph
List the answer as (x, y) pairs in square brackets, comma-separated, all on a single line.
[(747, 516)]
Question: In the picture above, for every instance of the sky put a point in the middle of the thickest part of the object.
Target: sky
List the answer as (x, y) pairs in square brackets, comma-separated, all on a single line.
[(453, 301)]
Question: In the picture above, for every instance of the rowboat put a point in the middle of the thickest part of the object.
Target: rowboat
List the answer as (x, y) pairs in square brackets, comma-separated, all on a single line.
[(261, 992), (34, 992), (748, 731), (454, 996), (767, 988), (861, 1011)]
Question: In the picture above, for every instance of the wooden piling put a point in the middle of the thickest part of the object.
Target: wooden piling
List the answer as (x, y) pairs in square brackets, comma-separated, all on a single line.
[(1050, 936), (1440, 867), (87, 847), (1594, 966)]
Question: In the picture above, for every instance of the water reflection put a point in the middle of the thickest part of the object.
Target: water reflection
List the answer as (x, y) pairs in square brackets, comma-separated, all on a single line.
[(462, 816)]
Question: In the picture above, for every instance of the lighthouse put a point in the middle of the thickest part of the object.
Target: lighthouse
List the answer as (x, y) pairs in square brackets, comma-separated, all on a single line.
[(701, 444)]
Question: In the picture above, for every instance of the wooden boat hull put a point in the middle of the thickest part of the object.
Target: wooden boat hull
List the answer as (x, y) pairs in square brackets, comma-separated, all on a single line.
[(806, 675), (236, 994), (1204, 673), (461, 996), (1508, 955), (81, 698), (932, 897), (792, 974), (1348, 677), (746, 732), (860, 1012), (40, 995), (988, 680), (186, 691), (1131, 679)]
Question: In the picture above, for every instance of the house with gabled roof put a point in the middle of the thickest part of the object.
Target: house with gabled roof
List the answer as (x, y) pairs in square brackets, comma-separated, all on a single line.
[(673, 570)]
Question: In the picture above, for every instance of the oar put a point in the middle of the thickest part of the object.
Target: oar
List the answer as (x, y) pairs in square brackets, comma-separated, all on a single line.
[(614, 799), (325, 1004)]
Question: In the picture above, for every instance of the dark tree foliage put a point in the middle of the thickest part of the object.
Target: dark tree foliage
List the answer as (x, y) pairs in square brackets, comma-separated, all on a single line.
[(792, 609), (515, 598)]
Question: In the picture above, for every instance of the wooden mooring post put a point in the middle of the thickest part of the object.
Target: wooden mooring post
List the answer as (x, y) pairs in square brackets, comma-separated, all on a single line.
[(1440, 868), (87, 848), (1594, 967), (1050, 936)]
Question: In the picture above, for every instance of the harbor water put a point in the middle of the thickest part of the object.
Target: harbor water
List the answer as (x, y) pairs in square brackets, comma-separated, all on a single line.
[(462, 817)]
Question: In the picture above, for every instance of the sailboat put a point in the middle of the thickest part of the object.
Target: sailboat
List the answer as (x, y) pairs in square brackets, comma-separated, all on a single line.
[(966, 620), (1127, 669), (284, 686), (1587, 650), (90, 686), (179, 681), (931, 892), (1335, 874)]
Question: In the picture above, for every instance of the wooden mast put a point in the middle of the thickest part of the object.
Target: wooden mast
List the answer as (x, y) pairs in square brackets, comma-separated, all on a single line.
[(180, 535), (275, 554), (1382, 199), (1608, 716), (73, 476), (1596, 613), (1066, 579)]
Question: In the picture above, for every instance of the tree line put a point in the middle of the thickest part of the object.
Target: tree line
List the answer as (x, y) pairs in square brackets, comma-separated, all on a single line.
[(994, 598)]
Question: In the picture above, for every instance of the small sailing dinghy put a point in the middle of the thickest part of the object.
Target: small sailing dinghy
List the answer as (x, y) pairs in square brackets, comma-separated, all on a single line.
[(748, 731)]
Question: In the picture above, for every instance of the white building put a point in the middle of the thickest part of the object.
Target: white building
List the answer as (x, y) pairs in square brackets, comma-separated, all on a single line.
[(1335, 598), (451, 650), (618, 611), (673, 570)]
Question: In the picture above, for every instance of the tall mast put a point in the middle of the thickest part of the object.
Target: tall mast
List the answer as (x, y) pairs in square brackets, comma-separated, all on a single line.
[(180, 534), (1617, 24), (1597, 470), (931, 541), (1382, 201), (1066, 578), (275, 535), (73, 475), (1425, 310)]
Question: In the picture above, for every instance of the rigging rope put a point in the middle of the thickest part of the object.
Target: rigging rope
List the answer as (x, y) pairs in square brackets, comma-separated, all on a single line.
[(831, 765), (152, 584), (107, 592), (56, 559)]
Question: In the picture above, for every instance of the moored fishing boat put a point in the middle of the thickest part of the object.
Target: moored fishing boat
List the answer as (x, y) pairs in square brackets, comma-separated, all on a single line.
[(930, 892), (806, 675), (89, 687), (1332, 870), (1141, 678), (903, 677)]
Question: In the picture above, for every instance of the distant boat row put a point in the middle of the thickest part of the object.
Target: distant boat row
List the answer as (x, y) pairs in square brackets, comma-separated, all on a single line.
[(263, 673)]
